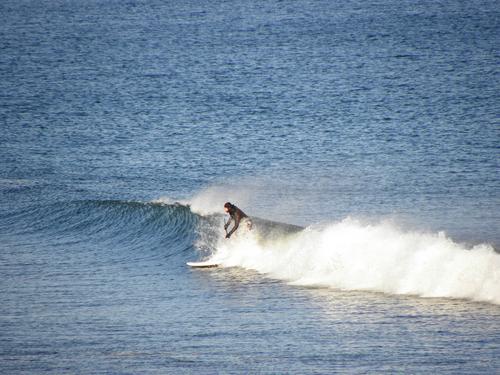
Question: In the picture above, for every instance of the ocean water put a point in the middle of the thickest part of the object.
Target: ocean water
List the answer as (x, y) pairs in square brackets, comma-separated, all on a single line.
[(362, 137)]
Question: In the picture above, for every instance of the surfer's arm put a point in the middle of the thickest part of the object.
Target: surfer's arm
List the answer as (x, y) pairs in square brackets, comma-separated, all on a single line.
[(226, 225), (236, 225)]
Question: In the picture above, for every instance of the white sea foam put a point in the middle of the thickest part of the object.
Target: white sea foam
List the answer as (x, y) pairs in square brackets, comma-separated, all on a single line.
[(165, 200), (350, 255), (211, 200)]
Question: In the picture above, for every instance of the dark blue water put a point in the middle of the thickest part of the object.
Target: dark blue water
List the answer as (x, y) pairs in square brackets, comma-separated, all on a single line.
[(374, 125)]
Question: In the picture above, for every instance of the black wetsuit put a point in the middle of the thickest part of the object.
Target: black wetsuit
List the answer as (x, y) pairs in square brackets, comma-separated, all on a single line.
[(234, 214)]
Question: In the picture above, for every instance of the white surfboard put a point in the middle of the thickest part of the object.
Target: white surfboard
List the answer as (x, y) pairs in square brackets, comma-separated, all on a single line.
[(206, 264)]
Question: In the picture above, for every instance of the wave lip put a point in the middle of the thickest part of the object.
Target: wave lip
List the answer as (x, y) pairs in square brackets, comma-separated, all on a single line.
[(352, 256)]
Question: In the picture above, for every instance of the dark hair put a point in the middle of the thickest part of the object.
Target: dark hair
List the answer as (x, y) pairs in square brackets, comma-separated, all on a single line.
[(228, 205)]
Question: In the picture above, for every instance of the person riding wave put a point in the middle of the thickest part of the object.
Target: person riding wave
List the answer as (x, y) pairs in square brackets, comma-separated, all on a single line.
[(237, 215)]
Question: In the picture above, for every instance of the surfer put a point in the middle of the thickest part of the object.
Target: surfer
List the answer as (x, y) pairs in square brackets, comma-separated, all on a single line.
[(238, 216)]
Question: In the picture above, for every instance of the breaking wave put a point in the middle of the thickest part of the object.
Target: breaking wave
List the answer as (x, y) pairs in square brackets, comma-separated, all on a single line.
[(349, 255), (345, 255)]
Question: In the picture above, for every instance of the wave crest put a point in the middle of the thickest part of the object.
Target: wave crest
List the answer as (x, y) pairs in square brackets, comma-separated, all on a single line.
[(350, 255)]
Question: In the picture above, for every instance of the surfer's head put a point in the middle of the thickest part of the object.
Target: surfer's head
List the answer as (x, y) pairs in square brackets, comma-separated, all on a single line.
[(228, 207)]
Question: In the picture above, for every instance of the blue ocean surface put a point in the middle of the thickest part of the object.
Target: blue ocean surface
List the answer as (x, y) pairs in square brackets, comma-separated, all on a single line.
[(361, 137)]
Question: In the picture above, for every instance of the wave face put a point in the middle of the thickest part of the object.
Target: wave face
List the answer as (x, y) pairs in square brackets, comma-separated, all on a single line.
[(126, 230), (349, 255)]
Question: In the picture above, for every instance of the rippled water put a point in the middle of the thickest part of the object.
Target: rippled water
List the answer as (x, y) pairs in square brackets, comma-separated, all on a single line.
[(372, 125)]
